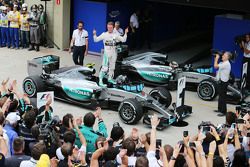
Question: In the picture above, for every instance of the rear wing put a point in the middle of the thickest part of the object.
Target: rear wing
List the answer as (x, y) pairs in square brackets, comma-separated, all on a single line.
[(45, 64)]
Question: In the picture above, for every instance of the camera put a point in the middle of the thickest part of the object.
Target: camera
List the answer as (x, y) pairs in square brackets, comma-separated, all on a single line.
[(214, 52), (185, 133), (239, 39)]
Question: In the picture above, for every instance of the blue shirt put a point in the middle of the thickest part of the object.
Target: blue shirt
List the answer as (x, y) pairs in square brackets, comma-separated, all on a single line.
[(11, 133)]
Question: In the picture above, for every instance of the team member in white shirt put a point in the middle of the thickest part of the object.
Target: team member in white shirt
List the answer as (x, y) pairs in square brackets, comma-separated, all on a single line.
[(118, 29), (246, 58), (110, 39), (134, 25), (79, 42), (223, 75)]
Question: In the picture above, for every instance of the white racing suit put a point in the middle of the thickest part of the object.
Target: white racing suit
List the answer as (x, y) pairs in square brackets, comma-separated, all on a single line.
[(110, 54)]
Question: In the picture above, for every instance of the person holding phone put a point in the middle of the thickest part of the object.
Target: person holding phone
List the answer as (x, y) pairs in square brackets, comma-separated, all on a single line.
[(223, 75)]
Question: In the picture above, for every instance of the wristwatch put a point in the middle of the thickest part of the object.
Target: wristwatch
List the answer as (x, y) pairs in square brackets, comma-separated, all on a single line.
[(173, 158)]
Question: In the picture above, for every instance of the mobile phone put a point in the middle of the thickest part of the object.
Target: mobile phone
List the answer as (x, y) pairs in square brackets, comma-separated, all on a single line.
[(185, 133), (240, 121), (11, 96), (248, 134), (206, 129), (181, 146), (233, 125), (158, 143), (192, 144)]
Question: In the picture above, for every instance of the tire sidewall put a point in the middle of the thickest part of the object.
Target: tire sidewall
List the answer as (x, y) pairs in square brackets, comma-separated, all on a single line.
[(211, 86), (34, 85)]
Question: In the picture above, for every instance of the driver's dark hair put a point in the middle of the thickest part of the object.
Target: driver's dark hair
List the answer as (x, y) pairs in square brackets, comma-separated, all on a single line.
[(29, 118), (69, 137), (66, 118), (116, 133), (218, 162), (129, 144), (80, 22), (230, 118), (111, 23), (142, 161), (240, 159), (89, 119)]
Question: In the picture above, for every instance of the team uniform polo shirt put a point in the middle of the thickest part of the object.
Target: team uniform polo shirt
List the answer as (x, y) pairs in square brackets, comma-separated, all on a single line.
[(4, 20), (14, 15), (134, 21), (24, 22), (223, 73), (80, 37), (247, 45)]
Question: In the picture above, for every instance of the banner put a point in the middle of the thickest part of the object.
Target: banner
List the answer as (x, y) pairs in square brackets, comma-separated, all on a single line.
[(43, 98), (244, 76), (181, 92)]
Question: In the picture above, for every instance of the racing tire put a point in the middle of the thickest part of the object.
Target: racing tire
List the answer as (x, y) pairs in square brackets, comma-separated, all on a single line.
[(207, 89), (162, 95), (130, 111), (32, 85)]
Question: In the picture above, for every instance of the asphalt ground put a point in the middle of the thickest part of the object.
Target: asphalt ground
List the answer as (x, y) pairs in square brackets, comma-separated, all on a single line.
[(14, 66)]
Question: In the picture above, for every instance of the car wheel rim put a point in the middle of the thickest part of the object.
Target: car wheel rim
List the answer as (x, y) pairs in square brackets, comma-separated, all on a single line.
[(29, 87), (159, 98), (127, 112), (206, 91)]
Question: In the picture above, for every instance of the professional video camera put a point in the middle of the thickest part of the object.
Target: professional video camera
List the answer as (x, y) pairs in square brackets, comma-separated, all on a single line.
[(48, 132), (221, 52)]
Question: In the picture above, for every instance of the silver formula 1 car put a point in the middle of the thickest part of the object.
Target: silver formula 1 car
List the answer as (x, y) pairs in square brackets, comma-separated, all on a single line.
[(78, 85), (154, 69)]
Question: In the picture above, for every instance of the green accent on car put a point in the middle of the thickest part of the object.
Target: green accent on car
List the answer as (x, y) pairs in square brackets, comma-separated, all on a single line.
[(160, 77), (78, 93), (29, 91)]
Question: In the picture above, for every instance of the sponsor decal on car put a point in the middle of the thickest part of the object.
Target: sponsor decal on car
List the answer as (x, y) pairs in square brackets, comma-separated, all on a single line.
[(77, 93), (155, 76)]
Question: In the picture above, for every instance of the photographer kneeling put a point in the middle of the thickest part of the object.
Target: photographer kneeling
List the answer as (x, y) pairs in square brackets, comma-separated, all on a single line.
[(223, 75)]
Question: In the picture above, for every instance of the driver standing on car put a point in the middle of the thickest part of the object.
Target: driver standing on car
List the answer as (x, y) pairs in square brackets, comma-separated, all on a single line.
[(223, 75), (110, 39)]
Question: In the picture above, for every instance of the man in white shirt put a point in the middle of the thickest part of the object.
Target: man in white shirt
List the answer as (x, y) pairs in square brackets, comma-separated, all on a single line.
[(134, 25), (110, 39), (246, 58), (118, 29), (79, 42), (223, 75)]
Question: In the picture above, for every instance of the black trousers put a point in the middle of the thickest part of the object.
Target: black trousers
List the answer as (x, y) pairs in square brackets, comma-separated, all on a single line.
[(245, 59), (133, 39), (78, 54), (222, 90)]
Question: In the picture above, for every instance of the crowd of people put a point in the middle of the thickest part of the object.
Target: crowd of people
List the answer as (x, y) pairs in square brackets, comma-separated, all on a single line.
[(31, 137), (21, 28)]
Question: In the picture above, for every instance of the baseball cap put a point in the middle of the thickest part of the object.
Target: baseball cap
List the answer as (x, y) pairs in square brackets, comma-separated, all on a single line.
[(13, 117), (44, 161), (117, 23), (4, 8)]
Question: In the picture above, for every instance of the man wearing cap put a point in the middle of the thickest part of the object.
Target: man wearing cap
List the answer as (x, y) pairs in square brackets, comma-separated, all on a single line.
[(10, 125), (223, 75), (4, 27), (34, 28), (14, 17), (117, 29), (25, 27)]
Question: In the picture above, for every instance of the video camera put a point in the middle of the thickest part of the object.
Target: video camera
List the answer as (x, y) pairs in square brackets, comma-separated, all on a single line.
[(240, 38), (221, 52)]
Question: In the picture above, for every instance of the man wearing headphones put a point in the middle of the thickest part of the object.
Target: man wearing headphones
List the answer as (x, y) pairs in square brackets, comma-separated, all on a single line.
[(34, 28)]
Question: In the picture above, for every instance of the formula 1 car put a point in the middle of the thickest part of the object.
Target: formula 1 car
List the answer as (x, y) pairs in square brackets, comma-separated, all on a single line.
[(154, 69), (78, 85)]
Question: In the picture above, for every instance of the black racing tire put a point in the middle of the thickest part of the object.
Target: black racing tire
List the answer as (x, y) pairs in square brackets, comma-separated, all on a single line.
[(130, 111), (207, 89), (162, 95), (32, 85)]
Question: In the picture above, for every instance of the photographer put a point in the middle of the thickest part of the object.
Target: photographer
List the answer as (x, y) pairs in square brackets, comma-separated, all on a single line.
[(246, 49), (222, 76)]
